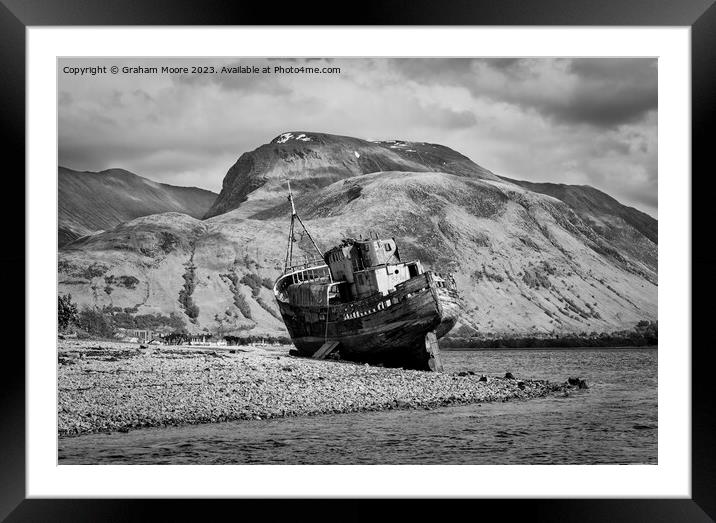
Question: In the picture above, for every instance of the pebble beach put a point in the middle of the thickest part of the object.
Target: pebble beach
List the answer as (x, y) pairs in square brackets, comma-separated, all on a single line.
[(117, 387)]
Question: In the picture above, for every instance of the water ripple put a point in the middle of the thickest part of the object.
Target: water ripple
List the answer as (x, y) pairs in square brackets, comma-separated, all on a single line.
[(615, 421)]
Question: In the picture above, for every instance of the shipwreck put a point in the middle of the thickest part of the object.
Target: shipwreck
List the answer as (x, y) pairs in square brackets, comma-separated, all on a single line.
[(360, 301)]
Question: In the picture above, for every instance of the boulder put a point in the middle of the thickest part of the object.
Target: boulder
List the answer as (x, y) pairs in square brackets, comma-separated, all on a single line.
[(483, 378), (509, 376), (578, 382)]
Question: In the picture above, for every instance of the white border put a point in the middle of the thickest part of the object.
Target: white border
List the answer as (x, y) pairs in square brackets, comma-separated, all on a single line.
[(670, 478)]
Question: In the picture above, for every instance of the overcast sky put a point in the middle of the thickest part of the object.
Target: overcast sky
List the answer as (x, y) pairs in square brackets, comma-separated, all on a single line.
[(579, 121)]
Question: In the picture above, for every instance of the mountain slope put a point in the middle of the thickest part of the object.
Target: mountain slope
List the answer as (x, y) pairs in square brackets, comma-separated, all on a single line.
[(594, 205), (258, 179), (626, 228), (92, 201), (526, 261)]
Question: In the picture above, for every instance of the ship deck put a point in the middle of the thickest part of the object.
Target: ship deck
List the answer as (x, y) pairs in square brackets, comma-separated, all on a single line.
[(378, 328)]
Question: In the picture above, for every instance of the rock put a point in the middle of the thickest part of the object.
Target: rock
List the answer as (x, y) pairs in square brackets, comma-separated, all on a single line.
[(578, 382), (257, 392), (143, 346), (521, 385), (509, 376), (471, 372), (293, 352)]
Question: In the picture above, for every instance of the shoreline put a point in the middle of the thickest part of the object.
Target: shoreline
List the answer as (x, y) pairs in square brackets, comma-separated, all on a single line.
[(117, 387)]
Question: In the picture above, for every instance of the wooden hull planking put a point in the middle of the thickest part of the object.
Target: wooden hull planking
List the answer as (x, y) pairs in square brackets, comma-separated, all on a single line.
[(388, 329)]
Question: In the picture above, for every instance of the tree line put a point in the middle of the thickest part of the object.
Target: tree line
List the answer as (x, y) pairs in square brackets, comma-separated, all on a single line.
[(644, 333)]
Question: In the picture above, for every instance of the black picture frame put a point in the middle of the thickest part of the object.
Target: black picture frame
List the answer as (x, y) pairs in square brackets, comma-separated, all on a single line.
[(700, 15)]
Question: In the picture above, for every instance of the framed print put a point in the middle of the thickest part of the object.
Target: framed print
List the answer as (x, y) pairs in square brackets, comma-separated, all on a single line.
[(417, 257)]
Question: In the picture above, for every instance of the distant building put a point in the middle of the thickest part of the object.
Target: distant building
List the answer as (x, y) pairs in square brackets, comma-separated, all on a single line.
[(201, 340), (141, 335), (135, 335)]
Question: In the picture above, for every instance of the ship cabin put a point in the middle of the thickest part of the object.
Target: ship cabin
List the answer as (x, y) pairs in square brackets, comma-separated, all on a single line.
[(362, 268)]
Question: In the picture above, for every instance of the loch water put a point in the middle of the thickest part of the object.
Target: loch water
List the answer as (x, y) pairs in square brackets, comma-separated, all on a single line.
[(612, 422)]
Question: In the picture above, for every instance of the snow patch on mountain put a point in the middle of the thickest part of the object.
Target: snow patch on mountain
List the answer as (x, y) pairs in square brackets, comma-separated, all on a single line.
[(285, 137)]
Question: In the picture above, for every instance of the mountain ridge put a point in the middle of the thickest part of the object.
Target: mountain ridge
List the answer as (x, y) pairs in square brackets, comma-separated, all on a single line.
[(525, 260), (91, 201), (314, 160), (577, 197)]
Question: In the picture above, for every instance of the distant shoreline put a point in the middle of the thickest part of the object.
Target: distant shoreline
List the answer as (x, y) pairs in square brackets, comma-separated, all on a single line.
[(643, 334)]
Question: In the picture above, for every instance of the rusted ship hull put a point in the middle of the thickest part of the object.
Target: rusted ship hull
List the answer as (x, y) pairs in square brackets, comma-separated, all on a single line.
[(398, 330)]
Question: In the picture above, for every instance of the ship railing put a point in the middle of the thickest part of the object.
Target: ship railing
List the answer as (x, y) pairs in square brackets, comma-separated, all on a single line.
[(372, 304), (311, 273), (378, 302), (308, 264)]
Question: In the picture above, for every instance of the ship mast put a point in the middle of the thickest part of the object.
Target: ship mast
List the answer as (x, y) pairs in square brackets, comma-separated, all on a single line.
[(291, 239)]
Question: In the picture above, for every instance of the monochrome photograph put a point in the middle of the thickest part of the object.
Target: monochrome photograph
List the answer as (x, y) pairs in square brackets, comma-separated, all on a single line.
[(357, 261)]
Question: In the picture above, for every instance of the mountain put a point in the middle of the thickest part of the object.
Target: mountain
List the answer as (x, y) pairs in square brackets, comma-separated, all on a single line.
[(626, 227), (314, 160), (528, 258), (93, 201), (594, 205)]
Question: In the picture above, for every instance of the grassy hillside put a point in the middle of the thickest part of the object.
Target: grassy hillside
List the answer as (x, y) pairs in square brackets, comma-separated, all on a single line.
[(93, 201), (525, 261), (258, 179)]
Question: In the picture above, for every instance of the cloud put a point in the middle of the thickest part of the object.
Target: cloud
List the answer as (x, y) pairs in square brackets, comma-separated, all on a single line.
[(586, 121), (603, 92), (240, 81)]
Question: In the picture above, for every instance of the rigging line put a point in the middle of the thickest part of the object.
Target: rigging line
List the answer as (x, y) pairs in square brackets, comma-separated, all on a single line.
[(309, 235), (289, 246), (294, 214), (293, 240), (328, 309)]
